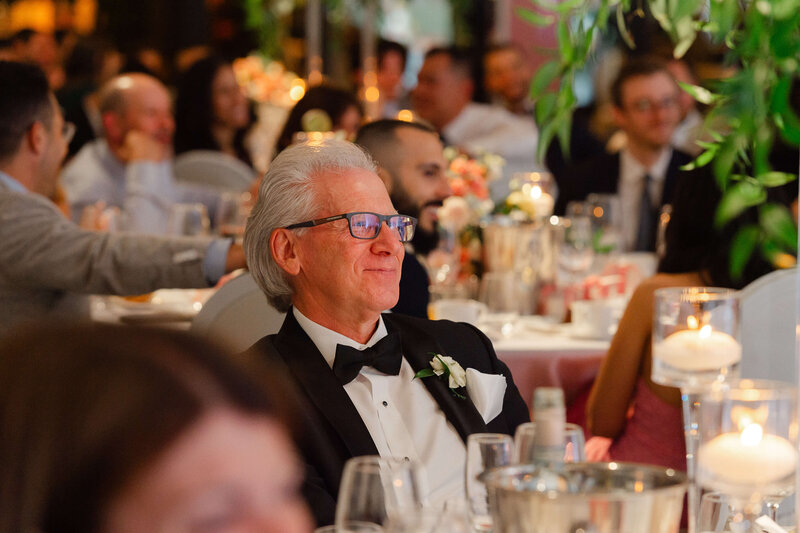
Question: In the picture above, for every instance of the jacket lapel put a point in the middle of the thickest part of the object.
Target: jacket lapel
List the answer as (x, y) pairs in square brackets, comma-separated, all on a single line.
[(321, 386), (417, 349)]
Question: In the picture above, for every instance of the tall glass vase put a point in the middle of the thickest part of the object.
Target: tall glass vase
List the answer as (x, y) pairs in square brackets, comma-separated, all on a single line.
[(694, 346)]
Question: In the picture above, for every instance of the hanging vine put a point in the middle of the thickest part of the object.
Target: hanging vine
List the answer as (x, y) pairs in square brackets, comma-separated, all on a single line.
[(753, 106)]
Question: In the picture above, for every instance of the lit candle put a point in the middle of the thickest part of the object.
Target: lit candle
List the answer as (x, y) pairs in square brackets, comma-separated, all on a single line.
[(698, 350), (748, 457), (541, 201)]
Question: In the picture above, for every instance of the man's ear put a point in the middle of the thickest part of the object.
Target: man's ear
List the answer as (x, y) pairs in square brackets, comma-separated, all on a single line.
[(282, 246), (619, 117), (386, 178), (36, 138)]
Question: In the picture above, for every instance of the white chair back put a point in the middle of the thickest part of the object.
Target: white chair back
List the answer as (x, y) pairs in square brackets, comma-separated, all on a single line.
[(213, 168), (769, 308), (237, 315)]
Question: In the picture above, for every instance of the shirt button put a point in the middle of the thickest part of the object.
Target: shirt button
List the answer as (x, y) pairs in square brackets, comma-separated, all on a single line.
[(385, 403)]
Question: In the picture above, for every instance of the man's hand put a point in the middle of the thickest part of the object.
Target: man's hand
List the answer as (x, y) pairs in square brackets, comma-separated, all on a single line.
[(139, 146)]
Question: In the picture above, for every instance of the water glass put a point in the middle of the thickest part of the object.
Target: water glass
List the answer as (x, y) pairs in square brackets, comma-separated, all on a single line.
[(375, 488), (188, 220), (429, 521), (500, 292), (484, 451), (233, 208), (525, 444), (574, 246)]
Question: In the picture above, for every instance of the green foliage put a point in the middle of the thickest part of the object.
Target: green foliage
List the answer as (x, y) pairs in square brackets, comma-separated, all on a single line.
[(752, 106)]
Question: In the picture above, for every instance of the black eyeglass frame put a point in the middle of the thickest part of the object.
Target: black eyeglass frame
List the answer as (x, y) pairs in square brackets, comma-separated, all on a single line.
[(349, 216)]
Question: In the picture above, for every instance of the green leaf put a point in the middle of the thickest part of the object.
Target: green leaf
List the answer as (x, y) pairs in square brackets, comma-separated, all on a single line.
[(424, 373), (738, 198), (775, 179), (701, 160), (545, 107), (701, 94), (778, 224), (544, 77), (744, 242), (623, 29), (565, 48), (537, 19), (546, 135)]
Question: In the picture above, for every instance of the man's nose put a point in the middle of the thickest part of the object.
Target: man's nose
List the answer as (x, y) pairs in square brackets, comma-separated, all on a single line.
[(387, 241)]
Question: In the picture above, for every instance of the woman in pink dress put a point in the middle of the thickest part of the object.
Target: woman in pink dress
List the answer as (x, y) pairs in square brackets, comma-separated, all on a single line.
[(642, 419)]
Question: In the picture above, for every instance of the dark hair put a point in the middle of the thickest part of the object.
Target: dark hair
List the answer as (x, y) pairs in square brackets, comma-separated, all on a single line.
[(695, 244), (85, 61), (83, 409), (332, 100), (194, 112), (24, 35), (379, 139), (642, 66), (384, 47), (25, 97), (460, 60)]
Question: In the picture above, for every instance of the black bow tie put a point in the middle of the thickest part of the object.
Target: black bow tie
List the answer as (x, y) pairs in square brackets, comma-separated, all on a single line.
[(384, 355)]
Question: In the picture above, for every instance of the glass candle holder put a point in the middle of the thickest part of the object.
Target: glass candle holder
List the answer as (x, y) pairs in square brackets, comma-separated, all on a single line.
[(748, 440), (536, 190), (694, 346)]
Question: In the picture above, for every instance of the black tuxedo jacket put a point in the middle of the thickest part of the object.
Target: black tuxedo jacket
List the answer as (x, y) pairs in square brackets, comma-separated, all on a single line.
[(334, 431), (600, 174)]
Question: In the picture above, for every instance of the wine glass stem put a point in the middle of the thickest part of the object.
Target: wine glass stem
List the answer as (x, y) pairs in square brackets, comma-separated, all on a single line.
[(691, 407)]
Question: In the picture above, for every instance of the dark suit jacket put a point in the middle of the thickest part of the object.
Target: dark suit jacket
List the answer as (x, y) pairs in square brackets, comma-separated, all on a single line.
[(414, 292), (334, 430), (601, 175)]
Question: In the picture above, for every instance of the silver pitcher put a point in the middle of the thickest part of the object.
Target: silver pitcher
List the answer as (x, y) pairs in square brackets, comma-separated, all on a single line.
[(585, 498)]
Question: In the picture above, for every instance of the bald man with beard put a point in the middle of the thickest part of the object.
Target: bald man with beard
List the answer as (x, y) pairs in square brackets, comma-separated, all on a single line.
[(412, 166)]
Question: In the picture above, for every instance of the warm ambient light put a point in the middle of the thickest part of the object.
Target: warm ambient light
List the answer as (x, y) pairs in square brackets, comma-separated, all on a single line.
[(751, 435), (692, 322), (405, 115), (298, 89), (371, 94), (705, 332)]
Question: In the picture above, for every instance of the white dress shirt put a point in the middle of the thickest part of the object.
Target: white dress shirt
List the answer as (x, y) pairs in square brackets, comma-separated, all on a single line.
[(401, 416), (631, 181)]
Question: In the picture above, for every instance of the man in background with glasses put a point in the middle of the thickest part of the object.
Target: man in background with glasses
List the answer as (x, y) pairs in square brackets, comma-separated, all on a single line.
[(644, 172), (325, 244)]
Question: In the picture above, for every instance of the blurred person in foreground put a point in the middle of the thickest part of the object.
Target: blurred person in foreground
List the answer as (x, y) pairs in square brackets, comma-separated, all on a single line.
[(508, 78), (644, 172), (443, 97), (131, 166), (46, 261), (697, 254), (411, 164), (120, 429), (211, 111), (325, 245)]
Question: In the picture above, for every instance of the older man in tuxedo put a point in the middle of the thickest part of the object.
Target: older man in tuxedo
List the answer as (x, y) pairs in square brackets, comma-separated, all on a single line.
[(325, 244)]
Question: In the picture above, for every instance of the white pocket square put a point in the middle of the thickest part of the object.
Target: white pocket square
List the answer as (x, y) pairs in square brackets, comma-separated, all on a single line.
[(486, 392)]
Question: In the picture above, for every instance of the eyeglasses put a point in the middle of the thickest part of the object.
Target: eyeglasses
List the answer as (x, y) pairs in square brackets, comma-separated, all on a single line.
[(68, 131), (365, 225), (646, 105)]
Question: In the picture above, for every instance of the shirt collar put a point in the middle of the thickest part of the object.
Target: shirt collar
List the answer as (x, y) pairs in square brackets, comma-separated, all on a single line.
[(326, 339), (634, 170), (11, 183)]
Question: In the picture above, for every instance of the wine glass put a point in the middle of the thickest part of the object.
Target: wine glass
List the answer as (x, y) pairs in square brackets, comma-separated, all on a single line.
[(528, 448), (694, 346), (748, 442), (188, 219), (574, 248), (233, 208), (375, 488), (500, 293), (484, 451)]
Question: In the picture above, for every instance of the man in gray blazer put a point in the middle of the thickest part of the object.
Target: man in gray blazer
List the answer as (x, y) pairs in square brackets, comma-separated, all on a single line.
[(45, 258)]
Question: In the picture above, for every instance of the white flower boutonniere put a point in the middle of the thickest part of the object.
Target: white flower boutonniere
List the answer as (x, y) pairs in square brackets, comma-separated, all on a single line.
[(442, 365)]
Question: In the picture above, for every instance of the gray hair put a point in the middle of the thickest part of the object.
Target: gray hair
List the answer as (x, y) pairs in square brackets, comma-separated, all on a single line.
[(286, 197)]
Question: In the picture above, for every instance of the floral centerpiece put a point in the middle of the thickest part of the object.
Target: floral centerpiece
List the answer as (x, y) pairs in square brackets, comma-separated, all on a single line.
[(461, 214), (268, 81)]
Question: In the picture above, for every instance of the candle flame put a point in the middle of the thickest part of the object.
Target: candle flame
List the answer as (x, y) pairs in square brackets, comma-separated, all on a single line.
[(751, 435), (705, 332), (692, 322), (536, 192), (405, 115)]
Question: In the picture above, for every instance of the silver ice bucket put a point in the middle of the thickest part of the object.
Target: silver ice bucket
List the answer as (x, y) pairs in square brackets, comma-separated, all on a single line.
[(585, 498)]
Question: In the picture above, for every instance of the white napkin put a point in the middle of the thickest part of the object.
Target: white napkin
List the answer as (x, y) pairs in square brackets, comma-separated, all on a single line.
[(486, 392)]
